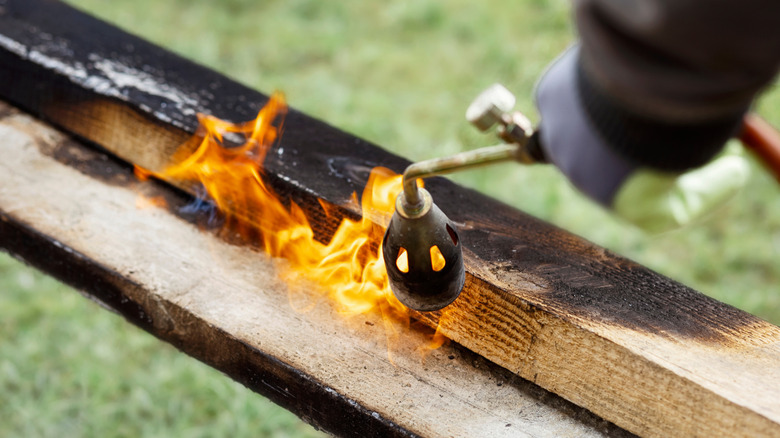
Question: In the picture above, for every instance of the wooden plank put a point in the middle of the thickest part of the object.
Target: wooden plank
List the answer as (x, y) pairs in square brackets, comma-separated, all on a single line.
[(74, 213), (636, 348)]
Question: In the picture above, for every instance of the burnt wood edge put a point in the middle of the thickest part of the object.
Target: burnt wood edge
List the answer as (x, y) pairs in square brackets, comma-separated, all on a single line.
[(313, 401)]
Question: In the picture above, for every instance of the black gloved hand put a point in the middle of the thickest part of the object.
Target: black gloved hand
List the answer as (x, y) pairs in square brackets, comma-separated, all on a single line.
[(652, 199)]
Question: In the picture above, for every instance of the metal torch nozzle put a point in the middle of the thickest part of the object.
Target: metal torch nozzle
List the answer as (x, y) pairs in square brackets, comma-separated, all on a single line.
[(421, 247), (422, 254)]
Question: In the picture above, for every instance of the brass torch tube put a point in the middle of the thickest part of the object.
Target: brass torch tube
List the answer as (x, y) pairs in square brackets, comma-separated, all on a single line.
[(454, 163)]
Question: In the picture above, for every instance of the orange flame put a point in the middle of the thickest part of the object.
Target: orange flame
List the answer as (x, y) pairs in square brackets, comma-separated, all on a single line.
[(350, 266)]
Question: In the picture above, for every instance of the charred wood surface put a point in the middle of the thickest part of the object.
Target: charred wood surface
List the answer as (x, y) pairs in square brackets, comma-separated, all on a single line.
[(638, 349)]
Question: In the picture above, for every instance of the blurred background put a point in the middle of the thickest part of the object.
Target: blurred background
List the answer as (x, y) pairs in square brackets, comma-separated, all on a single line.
[(399, 74)]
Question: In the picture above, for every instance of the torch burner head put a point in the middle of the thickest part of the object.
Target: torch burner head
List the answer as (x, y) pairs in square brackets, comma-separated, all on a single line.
[(423, 255)]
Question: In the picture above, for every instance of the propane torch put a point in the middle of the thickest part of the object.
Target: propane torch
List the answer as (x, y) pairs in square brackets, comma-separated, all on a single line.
[(421, 247)]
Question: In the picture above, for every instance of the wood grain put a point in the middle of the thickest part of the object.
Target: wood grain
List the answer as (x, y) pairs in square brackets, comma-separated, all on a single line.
[(79, 215), (632, 346)]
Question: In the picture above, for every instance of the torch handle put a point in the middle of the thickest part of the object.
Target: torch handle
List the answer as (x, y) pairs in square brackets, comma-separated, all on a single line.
[(764, 139)]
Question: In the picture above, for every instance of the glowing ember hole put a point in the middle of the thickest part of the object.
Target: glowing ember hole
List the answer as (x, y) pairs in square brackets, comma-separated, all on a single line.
[(437, 259), (402, 262)]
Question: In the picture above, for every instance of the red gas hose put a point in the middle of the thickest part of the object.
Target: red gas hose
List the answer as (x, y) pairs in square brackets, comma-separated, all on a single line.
[(763, 139)]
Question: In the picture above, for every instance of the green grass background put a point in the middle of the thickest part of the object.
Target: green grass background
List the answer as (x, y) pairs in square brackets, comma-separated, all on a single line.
[(397, 73)]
